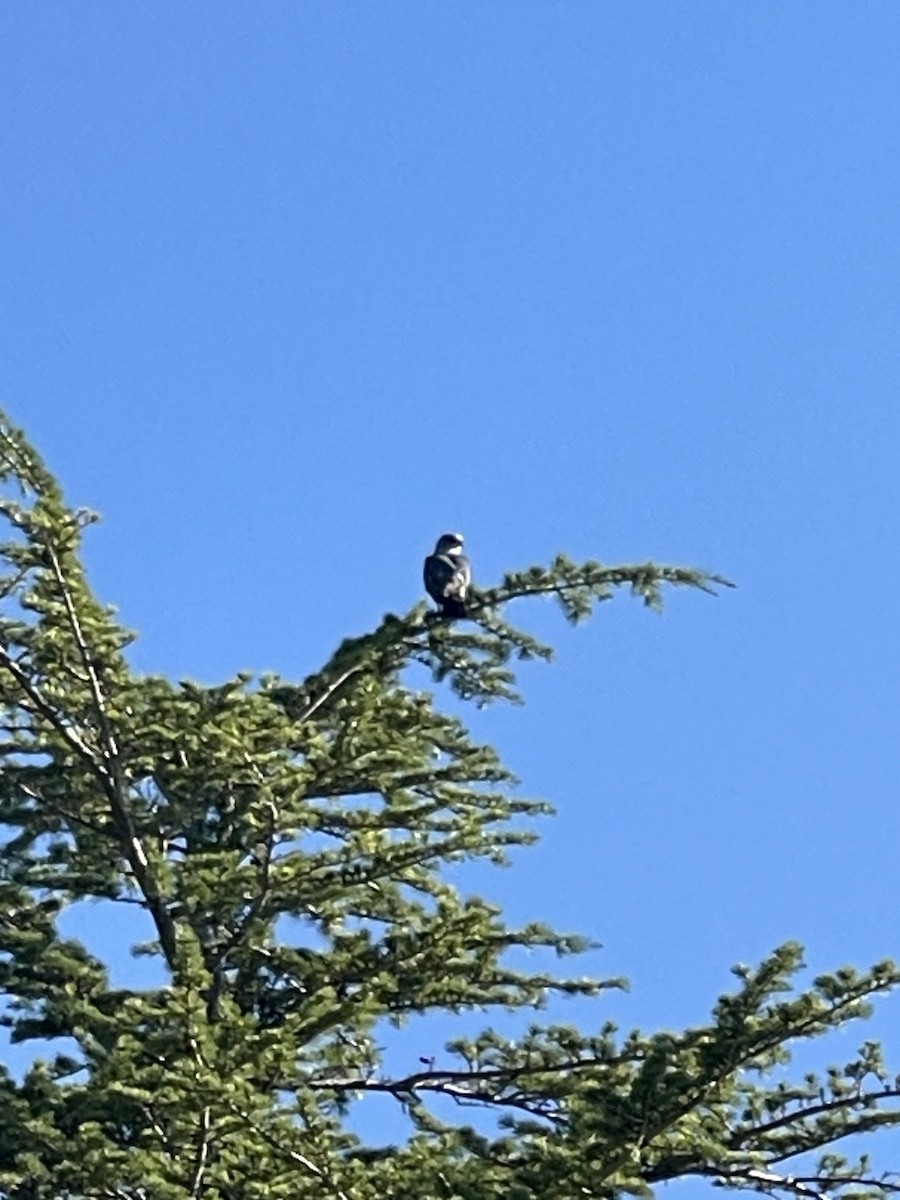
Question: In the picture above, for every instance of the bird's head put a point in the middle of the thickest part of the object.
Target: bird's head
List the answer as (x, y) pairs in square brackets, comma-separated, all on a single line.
[(449, 543)]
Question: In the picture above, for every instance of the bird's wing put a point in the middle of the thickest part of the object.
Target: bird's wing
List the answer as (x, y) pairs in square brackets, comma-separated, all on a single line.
[(447, 575), (437, 574)]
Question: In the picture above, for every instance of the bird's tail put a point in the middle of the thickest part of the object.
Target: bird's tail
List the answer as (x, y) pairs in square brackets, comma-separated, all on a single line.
[(453, 608)]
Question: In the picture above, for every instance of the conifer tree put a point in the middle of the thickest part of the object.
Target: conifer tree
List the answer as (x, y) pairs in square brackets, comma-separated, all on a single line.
[(336, 802)]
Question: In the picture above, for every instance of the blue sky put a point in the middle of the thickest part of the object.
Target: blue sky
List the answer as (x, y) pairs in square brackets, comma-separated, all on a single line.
[(289, 289)]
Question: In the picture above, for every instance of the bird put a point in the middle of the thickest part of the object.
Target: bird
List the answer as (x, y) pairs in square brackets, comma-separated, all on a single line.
[(448, 575)]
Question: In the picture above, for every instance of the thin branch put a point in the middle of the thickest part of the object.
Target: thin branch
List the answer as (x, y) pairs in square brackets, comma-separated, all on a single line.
[(45, 709), (765, 1181), (329, 691), (134, 848), (739, 1137), (112, 749), (812, 1186), (283, 1151), (10, 585), (612, 576), (202, 1154), (451, 1082)]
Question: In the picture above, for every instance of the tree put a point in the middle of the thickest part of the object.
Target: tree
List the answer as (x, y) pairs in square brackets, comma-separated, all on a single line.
[(217, 812)]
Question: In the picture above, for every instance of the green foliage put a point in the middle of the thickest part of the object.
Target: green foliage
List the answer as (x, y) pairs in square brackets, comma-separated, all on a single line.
[(285, 844)]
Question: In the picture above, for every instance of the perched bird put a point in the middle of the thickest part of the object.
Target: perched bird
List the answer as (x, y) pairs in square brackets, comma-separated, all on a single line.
[(448, 575)]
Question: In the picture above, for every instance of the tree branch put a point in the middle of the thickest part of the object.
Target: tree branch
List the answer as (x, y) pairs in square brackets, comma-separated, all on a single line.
[(814, 1187), (201, 1155), (329, 691), (453, 1082), (49, 713), (837, 1104), (107, 769), (281, 1150), (613, 577)]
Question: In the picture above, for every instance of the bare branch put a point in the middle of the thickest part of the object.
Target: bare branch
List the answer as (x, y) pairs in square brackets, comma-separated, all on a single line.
[(329, 691), (105, 766), (766, 1181), (44, 708), (134, 848), (282, 1150), (112, 750), (814, 1187), (201, 1155), (837, 1104), (459, 1083)]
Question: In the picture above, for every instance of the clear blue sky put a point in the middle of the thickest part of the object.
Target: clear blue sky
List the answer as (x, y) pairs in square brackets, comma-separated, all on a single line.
[(288, 289)]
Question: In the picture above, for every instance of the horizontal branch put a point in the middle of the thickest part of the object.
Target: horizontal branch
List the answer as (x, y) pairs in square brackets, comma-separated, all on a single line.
[(837, 1104), (814, 1187), (645, 574), (455, 1082)]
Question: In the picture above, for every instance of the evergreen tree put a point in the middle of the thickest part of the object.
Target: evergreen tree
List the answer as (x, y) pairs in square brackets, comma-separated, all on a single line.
[(219, 811)]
